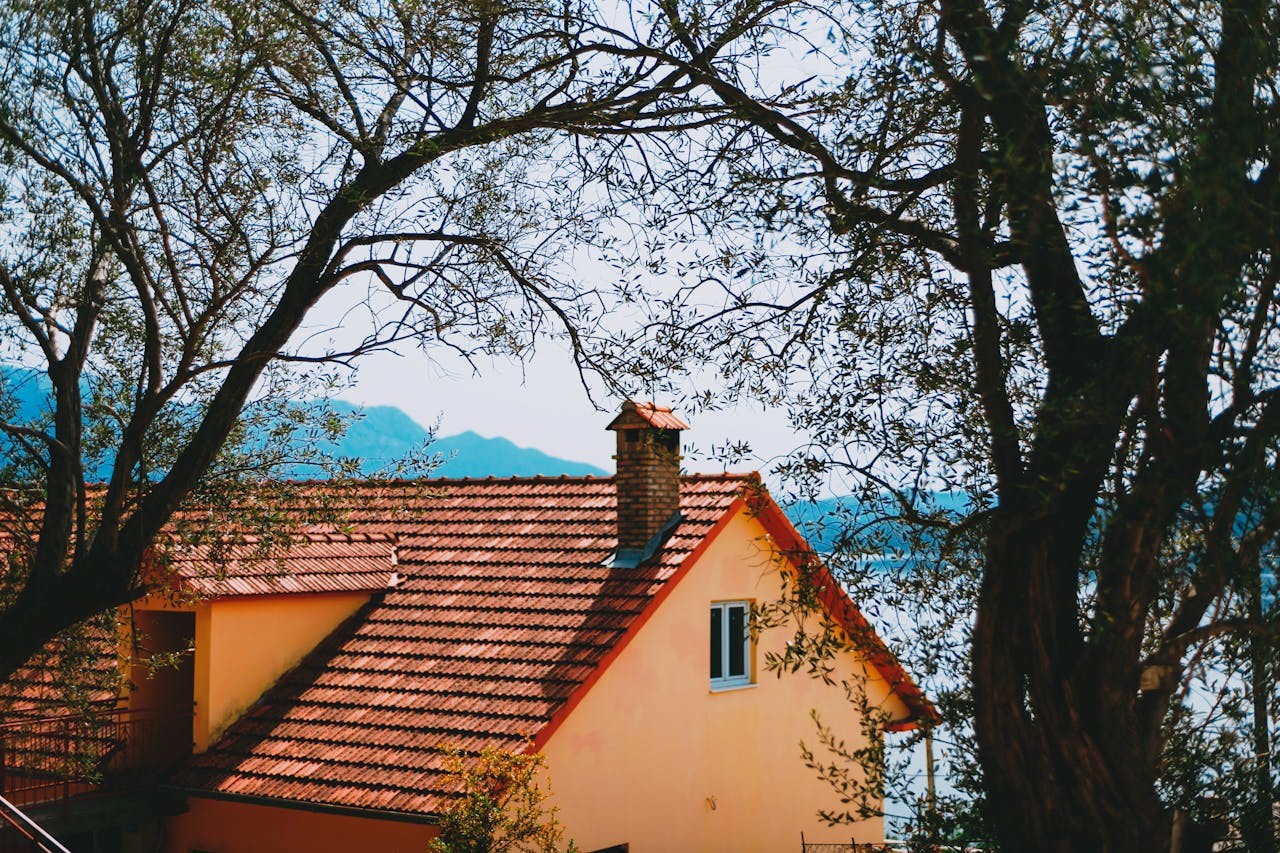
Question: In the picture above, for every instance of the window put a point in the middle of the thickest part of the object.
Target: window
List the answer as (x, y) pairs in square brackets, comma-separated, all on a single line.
[(730, 644)]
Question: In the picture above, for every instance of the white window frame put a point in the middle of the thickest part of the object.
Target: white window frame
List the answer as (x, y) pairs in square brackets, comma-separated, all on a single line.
[(728, 681)]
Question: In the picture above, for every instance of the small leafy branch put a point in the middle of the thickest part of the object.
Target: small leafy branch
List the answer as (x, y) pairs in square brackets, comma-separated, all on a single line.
[(501, 805), (855, 771)]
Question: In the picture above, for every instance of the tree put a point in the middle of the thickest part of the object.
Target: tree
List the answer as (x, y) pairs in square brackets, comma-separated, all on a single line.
[(185, 181), (1027, 251), (500, 805)]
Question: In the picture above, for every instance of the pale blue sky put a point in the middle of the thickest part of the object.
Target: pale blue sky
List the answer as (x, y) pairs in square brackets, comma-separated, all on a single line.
[(546, 408)]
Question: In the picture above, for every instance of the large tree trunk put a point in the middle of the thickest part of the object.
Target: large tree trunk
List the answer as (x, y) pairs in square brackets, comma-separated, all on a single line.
[(1064, 767)]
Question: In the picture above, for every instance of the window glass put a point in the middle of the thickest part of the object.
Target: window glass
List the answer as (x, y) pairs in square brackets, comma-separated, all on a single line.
[(717, 650), (737, 633), (730, 644)]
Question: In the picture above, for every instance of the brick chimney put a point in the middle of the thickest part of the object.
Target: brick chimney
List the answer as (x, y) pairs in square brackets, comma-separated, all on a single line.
[(648, 479)]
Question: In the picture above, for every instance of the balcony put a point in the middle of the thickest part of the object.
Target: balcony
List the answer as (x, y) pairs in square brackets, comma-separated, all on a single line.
[(71, 772)]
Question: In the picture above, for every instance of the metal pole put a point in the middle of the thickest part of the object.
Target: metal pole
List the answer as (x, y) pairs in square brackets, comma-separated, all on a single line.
[(66, 770), (30, 828), (930, 791)]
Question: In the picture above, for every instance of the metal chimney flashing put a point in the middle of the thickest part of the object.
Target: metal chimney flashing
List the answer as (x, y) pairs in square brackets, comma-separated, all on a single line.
[(630, 558)]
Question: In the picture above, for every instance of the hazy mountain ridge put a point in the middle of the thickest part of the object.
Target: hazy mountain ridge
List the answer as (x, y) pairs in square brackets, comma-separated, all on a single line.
[(381, 435), (378, 436)]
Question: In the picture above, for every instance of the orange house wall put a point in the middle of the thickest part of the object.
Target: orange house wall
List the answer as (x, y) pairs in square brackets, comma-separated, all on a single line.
[(220, 826), (244, 645), (652, 757)]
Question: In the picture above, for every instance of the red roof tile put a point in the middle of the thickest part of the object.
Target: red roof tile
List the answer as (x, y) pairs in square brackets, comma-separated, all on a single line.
[(78, 669), (316, 560), (507, 607), (638, 415), (660, 416)]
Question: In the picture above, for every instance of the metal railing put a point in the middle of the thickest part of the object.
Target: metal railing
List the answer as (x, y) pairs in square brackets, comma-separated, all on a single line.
[(885, 847), (19, 832), (849, 846), (52, 759)]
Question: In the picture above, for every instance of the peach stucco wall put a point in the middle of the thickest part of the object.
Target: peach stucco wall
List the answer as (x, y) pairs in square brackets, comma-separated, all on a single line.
[(244, 644), (218, 826), (652, 757)]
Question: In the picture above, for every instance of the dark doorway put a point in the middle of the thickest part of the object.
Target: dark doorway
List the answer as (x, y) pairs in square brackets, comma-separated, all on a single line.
[(163, 678)]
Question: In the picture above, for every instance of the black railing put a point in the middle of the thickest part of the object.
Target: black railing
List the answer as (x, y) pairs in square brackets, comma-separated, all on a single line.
[(885, 847), (849, 846), (49, 760)]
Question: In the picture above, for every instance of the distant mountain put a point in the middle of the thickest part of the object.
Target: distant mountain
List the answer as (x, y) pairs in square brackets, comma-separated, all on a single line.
[(376, 435), (476, 456), (384, 434)]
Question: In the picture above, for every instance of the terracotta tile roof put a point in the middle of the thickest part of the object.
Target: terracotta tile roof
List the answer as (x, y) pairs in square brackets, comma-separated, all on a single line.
[(637, 415), (506, 608), (316, 560), (78, 669), (660, 416), (504, 613)]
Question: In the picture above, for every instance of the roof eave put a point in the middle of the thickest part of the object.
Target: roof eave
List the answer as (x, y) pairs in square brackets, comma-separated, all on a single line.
[(426, 818), (757, 500), (544, 734), (838, 604)]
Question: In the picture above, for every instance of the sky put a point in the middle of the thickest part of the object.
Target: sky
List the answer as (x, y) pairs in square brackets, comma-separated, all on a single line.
[(542, 404)]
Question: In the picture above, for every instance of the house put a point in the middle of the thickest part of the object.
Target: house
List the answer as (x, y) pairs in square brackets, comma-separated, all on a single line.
[(599, 621)]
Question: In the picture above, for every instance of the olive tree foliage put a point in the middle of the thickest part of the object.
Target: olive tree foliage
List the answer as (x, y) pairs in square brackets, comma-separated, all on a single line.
[(1023, 251), (185, 181), (500, 805)]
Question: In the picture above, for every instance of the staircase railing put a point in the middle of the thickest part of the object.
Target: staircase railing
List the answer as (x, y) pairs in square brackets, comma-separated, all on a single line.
[(33, 836), (50, 759)]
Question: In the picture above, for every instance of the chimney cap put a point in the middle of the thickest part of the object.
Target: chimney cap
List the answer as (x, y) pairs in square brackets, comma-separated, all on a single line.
[(646, 416)]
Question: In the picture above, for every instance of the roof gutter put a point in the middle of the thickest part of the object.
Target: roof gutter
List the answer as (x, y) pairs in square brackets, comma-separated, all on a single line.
[(426, 818)]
